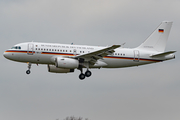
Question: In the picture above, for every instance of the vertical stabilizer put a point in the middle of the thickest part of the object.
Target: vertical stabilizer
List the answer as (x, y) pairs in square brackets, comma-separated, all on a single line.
[(158, 39)]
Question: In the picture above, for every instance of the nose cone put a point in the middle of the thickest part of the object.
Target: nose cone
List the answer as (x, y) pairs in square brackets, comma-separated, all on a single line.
[(10, 55), (5, 54)]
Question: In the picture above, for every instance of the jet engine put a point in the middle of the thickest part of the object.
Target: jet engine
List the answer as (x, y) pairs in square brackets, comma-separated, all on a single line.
[(54, 69), (67, 63)]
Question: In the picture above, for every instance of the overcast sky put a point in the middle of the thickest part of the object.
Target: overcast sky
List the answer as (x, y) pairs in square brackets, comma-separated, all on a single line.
[(150, 92)]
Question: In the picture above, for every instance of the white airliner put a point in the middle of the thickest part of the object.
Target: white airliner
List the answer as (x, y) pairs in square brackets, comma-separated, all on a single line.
[(65, 58)]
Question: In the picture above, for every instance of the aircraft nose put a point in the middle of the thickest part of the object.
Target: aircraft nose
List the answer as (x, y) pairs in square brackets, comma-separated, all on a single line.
[(5, 54)]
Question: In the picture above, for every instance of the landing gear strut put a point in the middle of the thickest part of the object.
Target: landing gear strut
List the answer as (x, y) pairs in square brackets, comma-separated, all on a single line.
[(29, 67), (82, 75)]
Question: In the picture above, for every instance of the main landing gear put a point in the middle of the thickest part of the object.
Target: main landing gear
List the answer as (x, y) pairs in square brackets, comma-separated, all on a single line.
[(29, 67), (87, 74)]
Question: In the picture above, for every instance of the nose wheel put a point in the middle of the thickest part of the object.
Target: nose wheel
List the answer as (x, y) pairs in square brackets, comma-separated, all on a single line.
[(28, 72), (29, 67)]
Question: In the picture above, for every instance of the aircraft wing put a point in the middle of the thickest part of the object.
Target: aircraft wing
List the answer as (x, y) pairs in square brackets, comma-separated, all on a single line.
[(92, 57)]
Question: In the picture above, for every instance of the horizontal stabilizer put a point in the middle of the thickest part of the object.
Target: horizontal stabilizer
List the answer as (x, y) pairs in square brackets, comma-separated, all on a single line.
[(163, 54)]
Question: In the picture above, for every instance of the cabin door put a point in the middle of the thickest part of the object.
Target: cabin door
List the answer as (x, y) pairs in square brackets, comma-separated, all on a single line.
[(30, 49), (136, 55)]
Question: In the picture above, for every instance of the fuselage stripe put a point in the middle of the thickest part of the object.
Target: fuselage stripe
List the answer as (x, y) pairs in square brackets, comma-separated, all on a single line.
[(69, 54)]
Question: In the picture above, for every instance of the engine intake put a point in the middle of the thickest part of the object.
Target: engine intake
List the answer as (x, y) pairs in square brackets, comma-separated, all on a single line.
[(66, 63), (54, 69)]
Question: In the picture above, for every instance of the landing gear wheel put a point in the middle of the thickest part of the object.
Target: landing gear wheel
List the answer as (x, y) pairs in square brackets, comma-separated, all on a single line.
[(81, 76), (88, 73), (28, 72)]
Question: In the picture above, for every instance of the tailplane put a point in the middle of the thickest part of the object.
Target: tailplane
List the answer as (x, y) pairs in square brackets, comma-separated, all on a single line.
[(158, 39)]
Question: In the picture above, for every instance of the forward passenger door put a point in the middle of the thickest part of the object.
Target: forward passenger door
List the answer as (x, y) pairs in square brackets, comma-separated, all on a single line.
[(30, 49)]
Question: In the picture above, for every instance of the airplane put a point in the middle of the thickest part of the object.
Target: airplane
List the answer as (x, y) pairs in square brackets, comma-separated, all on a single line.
[(65, 58)]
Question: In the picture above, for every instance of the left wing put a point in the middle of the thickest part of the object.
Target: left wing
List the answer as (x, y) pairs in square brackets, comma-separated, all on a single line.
[(92, 57)]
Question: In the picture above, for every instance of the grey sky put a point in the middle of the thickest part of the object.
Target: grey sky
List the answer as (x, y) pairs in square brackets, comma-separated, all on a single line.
[(138, 93)]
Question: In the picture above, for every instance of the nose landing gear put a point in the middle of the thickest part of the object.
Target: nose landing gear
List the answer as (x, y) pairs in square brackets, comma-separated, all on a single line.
[(29, 67), (28, 71)]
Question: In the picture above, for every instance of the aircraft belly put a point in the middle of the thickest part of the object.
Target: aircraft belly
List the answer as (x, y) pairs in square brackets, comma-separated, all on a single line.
[(119, 63), (116, 63)]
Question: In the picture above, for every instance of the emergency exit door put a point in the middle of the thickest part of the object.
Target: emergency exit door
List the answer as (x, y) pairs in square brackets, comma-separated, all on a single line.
[(136, 55)]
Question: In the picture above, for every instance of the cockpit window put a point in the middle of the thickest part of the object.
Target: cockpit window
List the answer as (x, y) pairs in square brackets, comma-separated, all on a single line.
[(16, 47)]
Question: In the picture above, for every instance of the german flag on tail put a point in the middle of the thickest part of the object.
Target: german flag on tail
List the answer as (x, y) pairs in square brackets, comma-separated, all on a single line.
[(161, 30)]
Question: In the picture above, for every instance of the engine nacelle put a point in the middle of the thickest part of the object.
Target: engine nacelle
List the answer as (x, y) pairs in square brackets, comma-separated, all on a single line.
[(66, 63), (54, 69)]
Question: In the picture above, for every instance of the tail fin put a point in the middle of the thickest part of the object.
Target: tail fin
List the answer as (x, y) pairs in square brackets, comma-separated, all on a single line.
[(157, 40)]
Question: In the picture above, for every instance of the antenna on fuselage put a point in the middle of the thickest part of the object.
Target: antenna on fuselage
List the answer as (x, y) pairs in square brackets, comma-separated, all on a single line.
[(122, 45)]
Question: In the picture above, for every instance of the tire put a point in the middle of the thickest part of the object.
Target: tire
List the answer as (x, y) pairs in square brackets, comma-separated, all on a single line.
[(28, 72), (81, 76), (88, 73)]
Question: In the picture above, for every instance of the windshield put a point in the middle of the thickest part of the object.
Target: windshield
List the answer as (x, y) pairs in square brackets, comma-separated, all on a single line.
[(16, 47)]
